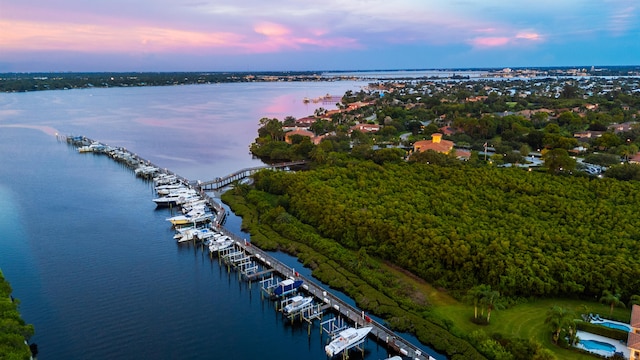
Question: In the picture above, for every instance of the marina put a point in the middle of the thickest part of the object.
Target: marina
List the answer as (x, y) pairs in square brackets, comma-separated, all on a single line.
[(277, 281)]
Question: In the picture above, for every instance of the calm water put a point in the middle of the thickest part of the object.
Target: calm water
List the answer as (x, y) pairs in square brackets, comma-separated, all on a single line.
[(91, 259)]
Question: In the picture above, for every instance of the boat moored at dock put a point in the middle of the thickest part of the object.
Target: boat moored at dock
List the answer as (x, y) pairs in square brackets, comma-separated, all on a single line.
[(196, 218), (297, 303), (346, 339), (287, 286)]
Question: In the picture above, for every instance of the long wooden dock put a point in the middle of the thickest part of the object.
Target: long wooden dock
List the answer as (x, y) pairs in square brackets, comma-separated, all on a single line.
[(243, 254), (221, 182)]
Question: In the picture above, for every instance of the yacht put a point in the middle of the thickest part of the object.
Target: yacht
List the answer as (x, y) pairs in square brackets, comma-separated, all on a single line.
[(220, 243), (346, 339), (191, 218), (297, 303)]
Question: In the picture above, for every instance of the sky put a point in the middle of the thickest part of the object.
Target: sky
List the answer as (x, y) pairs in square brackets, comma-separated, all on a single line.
[(296, 35)]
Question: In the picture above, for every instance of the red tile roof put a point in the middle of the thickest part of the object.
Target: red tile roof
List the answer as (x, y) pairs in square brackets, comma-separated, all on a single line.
[(306, 120), (366, 127), (633, 341), (635, 316), (436, 144)]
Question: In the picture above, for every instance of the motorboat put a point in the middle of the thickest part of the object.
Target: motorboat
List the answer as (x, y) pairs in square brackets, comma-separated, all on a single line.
[(214, 237), (190, 234), (287, 286), (165, 179), (146, 170), (194, 218), (199, 204), (297, 303), (174, 198), (168, 188), (220, 243), (347, 339)]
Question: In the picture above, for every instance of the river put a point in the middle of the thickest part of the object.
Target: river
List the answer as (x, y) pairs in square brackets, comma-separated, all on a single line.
[(91, 259)]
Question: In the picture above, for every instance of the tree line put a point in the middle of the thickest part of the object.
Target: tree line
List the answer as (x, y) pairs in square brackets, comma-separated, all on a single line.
[(14, 332), (22, 82), (522, 233)]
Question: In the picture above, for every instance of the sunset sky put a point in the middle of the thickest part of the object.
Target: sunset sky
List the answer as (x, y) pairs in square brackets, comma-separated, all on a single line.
[(254, 35)]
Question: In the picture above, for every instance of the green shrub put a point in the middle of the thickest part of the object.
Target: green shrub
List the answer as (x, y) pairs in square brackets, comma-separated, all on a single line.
[(602, 330)]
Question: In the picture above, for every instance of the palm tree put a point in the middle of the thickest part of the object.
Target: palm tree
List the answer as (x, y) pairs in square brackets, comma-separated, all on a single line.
[(612, 299), (491, 302), (475, 296), (560, 318)]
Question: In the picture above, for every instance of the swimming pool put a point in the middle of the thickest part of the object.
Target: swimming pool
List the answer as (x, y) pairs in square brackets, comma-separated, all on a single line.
[(596, 345), (615, 325)]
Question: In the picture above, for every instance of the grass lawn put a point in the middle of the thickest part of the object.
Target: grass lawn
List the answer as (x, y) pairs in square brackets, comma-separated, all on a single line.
[(523, 321)]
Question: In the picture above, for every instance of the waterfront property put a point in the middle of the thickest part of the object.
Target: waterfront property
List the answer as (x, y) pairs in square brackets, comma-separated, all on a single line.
[(601, 345), (633, 341), (613, 325)]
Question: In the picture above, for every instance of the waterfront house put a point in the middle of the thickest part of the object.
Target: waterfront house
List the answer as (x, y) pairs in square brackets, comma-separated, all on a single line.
[(365, 128), (436, 144), (589, 134), (633, 339), (624, 127), (306, 121)]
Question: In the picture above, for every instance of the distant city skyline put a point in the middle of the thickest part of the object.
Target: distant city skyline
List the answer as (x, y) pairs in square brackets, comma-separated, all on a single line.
[(280, 35)]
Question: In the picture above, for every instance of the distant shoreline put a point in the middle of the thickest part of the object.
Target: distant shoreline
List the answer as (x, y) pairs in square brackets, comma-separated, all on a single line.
[(41, 81)]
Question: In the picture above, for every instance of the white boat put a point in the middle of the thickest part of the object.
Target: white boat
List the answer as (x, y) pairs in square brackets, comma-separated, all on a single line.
[(164, 179), (199, 204), (186, 233), (216, 235), (346, 339), (174, 198), (166, 189), (297, 303), (195, 218), (195, 234), (188, 198), (220, 243), (146, 170)]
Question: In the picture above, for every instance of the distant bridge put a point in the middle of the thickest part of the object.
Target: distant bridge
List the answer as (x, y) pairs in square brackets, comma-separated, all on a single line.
[(219, 183)]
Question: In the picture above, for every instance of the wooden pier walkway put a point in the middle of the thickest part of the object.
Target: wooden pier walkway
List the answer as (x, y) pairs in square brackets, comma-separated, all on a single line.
[(330, 301), (221, 182)]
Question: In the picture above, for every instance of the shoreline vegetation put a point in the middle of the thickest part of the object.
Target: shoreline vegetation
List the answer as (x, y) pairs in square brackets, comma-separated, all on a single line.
[(14, 332), (476, 258)]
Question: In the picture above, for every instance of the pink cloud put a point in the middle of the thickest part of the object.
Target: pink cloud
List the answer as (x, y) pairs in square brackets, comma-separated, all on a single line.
[(97, 38), (521, 38), (490, 41), (267, 37), (271, 30), (485, 30), (528, 36), (275, 37)]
